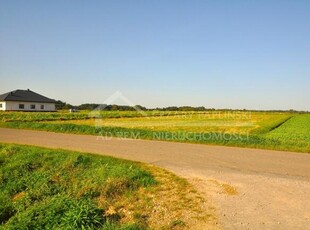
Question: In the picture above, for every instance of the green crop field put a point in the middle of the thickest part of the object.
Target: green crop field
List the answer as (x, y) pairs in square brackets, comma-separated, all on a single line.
[(241, 122), (295, 130), (270, 130), (56, 189)]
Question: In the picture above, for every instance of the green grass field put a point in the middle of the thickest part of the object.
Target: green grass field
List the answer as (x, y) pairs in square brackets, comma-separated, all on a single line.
[(269, 130), (240, 122), (295, 130), (56, 189)]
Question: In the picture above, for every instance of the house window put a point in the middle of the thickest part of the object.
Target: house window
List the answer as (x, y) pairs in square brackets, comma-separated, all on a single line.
[(21, 106), (32, 106), (42, 106), (0, 105)]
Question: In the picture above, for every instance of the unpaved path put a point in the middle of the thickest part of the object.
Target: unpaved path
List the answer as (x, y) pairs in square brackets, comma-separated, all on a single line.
[(250, 188)]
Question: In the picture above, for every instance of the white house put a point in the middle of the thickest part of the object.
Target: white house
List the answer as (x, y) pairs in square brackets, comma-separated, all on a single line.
[(25, 100)]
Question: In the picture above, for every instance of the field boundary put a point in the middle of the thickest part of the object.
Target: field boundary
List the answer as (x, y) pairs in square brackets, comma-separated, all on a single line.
[(280, 124)]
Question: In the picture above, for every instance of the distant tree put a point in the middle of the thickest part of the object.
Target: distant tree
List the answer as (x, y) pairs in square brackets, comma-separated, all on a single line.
[(88, 106), (200, 108), (114, 107), (171, 108), (139, 107), (187, 108), (62, 105), (68, 106)]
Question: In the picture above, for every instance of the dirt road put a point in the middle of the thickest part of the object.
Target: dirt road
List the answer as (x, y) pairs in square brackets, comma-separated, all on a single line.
[(250, 188)]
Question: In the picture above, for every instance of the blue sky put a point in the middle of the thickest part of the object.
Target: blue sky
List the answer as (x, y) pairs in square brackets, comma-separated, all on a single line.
[(221, 54)]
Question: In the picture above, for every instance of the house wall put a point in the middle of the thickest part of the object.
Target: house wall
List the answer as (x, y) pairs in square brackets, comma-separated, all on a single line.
[(14, 105), (3, 103)]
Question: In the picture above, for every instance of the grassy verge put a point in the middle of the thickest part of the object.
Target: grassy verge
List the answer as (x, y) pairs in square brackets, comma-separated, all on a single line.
[(47, 189), (261, 140)]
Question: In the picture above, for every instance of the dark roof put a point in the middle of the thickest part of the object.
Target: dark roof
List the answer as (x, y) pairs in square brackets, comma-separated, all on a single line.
[(25, 95)]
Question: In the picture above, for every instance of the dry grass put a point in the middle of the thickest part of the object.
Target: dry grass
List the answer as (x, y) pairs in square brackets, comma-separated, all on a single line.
[(172, 204), (225, 188)]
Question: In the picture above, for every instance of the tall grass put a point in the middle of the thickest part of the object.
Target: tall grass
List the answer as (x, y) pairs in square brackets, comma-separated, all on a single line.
[(48, 189)]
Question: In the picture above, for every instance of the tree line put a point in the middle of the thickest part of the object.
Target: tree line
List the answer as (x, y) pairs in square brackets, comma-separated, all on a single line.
[(60, 105)]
